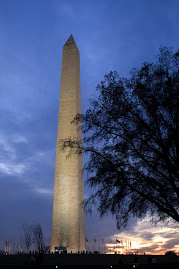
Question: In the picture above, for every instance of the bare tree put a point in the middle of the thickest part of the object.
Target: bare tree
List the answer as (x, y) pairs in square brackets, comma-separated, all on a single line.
[(38, 237), (27, 235)]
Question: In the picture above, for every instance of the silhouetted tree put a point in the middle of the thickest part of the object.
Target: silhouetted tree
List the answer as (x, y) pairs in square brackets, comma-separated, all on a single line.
[(131, 134), (38, 237), (27, 231)]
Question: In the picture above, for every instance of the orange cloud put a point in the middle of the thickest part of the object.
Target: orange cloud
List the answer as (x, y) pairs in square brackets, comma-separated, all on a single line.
[(145, 238)]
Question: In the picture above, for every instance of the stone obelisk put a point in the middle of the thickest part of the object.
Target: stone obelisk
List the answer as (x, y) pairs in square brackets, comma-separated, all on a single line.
[(68, 221)]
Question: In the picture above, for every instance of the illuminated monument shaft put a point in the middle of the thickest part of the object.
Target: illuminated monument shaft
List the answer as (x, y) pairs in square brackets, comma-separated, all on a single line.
[(68, 223)]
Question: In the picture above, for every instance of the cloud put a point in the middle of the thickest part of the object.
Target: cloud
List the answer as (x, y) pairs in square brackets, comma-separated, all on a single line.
[(22, 157), (45, 191), (6, 148), (19, 139), (9, 163), (12, 169), (21, 203), (147, 238), (172, 243)]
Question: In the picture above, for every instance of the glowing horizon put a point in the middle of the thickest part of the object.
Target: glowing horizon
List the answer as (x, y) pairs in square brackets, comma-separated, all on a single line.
[(139, 237), (145, 238)]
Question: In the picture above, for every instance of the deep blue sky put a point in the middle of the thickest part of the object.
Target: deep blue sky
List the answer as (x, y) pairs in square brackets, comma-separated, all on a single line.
[(110, 35)]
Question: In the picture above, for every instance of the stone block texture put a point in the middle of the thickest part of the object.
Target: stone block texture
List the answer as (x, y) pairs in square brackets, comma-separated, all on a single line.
[(68, 220)]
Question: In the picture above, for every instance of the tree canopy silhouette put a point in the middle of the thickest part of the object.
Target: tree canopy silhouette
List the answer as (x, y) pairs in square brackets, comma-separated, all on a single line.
[(131, 134)]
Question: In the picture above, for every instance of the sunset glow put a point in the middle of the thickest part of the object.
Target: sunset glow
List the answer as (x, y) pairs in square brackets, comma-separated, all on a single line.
[(145, 238)]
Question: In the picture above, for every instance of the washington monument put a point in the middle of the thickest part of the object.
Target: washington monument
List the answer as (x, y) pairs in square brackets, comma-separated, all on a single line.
[(68, 221)]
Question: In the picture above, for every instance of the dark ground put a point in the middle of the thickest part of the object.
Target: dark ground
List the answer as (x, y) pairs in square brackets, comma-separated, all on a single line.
[(88, 261)]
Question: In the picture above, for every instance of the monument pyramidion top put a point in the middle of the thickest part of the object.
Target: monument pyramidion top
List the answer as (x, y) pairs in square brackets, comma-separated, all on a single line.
[(70, 41)]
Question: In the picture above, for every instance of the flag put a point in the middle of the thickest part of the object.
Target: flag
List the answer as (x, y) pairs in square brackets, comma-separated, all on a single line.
[(94, 240), (103, 240), (86, 240), (117, 241)]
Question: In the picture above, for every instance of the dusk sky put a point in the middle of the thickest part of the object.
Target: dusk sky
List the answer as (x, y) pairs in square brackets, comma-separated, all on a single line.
[(112, 35)]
